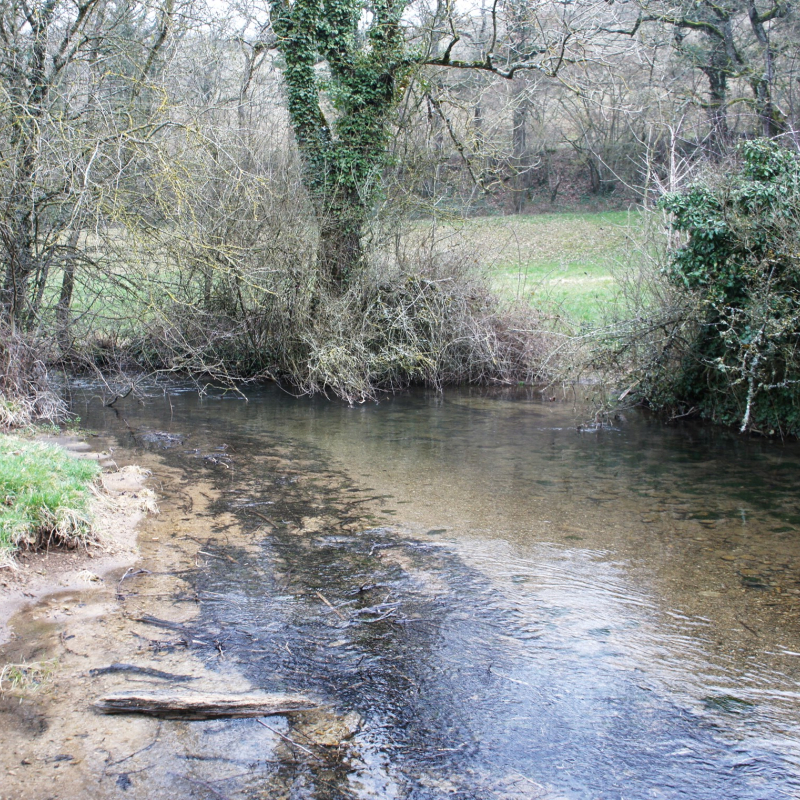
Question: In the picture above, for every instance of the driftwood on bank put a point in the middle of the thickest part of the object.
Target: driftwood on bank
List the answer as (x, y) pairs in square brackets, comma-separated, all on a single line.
[(204, 706)]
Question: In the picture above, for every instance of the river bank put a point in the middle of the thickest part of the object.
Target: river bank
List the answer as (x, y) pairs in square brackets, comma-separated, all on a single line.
[(139, 628), (117, 504)]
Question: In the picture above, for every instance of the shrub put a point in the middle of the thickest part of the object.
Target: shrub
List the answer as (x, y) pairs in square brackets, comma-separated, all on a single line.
[(425, 320), (741, 265), (25, 393)]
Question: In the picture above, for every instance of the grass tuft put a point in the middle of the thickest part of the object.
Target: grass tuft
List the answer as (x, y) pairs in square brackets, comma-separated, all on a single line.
[(23, 678), (44, 495)]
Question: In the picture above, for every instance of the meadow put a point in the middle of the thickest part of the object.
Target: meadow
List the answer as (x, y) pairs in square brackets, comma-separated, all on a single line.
[(563, 264)]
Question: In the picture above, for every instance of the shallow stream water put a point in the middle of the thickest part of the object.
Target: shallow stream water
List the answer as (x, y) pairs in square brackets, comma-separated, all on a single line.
[(491, 600)]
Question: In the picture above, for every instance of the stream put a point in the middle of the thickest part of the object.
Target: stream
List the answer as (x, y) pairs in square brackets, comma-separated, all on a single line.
[(490, 598)]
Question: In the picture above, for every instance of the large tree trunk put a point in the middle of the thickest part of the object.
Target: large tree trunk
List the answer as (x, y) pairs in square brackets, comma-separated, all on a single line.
[(20, 261), (30, 90), (769, 119), (340, 251), (343, 159)]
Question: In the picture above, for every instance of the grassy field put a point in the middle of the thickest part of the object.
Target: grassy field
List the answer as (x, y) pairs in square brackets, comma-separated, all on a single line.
[(561, 263), (44, 494)]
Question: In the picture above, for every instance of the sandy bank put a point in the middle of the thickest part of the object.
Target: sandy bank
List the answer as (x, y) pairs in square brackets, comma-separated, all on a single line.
[(119, 503)]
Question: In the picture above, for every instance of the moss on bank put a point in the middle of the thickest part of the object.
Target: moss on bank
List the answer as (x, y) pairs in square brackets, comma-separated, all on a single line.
[(44, 495)]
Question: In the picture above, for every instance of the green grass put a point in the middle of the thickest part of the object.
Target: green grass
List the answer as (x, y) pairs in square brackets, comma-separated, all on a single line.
[(560, 263), (44, 494)]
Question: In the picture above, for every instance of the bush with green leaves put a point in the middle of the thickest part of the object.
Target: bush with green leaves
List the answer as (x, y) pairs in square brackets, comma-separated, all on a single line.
[(741, 264)]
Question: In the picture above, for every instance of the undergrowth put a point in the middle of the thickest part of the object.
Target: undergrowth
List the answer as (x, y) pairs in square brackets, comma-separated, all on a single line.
[(25, 393), (237, 291), (426, 318), (708, 321), (741, 262)]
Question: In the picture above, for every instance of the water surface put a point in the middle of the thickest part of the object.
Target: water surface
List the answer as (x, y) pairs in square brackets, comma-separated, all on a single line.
[(501, 601)]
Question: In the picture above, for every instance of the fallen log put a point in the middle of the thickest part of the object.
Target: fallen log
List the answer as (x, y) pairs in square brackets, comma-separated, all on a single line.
[(204, 706), (148, 671)]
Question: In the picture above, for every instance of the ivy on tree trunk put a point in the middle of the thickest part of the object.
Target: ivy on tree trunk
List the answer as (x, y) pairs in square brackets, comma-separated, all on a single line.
[(353, 58)]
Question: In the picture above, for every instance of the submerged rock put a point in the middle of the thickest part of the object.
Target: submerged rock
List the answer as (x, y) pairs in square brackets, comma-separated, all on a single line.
[(327, 729)]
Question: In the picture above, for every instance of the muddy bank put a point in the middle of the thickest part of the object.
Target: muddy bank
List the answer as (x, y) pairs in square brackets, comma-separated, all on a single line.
[(55, 732), (141, 629), (120, 503)]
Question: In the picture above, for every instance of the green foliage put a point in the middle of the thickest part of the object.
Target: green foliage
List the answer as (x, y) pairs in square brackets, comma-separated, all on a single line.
[(360, 77), (742, 263), (44, 494)]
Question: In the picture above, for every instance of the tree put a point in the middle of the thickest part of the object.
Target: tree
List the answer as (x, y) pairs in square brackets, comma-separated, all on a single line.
[(73, 79), (367, 70), (763, 80), (729, 42), (346, 65), (38, 41)]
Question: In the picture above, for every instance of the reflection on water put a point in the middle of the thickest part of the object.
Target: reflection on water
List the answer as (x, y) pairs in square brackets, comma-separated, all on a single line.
[(505, 605)]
